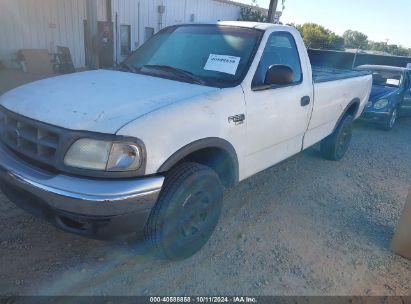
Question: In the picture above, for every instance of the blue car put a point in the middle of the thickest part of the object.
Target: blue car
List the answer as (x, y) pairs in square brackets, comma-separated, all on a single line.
[(390, 95)]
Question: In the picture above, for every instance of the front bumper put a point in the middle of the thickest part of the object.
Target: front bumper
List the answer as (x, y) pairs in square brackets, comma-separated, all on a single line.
[(90, 207), (376, 117)]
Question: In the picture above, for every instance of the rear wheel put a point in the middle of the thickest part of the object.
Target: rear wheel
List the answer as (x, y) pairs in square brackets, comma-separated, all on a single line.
[(187, 211), (336, 145), (391, 123)]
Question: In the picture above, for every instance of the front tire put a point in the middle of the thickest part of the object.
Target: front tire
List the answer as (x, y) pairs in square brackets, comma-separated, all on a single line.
[(336, 145), (187, 211), (391, 123)]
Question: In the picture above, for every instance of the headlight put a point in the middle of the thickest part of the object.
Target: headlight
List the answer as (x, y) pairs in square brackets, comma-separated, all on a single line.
[(100, 155), (381, 104), (124, 157)]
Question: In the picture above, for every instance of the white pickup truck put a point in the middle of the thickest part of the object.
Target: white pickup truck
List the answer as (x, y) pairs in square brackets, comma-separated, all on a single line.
[(151, 146)]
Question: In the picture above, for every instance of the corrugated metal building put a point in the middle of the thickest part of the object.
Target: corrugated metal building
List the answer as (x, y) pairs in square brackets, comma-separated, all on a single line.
[(45, 24)]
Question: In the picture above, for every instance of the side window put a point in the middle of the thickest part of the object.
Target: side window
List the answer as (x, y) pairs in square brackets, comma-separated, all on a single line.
[(280, 49)]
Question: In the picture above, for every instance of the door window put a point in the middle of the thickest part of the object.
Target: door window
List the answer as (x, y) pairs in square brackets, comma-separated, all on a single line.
[(281, 49)]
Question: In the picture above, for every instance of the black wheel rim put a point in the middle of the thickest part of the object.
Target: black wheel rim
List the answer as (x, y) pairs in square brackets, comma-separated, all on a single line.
[(197, 210), (343, 141), (188, 224)]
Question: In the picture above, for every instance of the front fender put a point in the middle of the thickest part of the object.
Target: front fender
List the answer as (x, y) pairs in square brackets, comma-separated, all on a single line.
[(170, 129)]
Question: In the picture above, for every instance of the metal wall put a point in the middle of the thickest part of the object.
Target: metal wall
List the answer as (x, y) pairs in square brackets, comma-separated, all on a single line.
[(43, 24), (181, 11), (144, 13), (47, 23)]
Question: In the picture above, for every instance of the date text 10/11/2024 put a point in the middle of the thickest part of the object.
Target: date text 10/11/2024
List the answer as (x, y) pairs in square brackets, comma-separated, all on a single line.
[(203, 300)]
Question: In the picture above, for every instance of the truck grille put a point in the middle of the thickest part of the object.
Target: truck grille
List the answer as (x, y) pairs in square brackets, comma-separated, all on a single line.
[(31, 139)]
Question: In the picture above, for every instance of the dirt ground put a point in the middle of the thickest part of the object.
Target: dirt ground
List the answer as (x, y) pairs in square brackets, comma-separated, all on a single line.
[(305, 227)]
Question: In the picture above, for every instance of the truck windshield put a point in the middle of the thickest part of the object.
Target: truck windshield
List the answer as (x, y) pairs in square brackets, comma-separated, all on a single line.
[(211, 55)]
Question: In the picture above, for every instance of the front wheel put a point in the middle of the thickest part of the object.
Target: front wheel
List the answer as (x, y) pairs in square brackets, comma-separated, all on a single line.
[(187, 211), (336, 145), (391, 123)]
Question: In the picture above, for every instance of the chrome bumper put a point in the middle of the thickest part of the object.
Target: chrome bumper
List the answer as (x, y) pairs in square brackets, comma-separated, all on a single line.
[(79, 196)]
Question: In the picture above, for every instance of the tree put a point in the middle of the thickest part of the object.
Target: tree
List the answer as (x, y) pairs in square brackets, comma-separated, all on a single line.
[(318, 37), (378, 46), (392, 49), (253, 13), (355, 40), (335, 42), (400, 51)]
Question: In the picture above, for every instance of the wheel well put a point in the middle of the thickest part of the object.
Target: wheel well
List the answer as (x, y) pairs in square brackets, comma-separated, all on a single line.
[(219, 160), (213, 152), (353, 108)]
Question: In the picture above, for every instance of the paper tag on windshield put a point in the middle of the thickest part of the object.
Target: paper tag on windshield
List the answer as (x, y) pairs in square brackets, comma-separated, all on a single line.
[(222, 63), (394, 82)]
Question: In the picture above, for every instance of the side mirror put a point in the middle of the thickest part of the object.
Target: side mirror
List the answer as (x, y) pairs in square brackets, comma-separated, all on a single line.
[(279, 75)]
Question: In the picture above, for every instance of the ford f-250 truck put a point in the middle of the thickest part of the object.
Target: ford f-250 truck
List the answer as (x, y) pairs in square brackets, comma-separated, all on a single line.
[(150, 147)]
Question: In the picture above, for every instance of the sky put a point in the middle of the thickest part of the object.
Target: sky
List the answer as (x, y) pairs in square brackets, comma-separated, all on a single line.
[(379, 20)]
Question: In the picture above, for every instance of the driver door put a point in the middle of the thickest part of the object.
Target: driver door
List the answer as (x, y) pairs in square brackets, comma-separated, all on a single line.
[(278, 116)]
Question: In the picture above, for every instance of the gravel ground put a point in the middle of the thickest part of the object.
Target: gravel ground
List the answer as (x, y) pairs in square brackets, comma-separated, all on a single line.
[(304, 227)]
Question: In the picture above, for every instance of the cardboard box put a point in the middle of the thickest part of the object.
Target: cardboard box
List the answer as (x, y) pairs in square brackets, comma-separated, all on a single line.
[(38, 61), (401, 243)]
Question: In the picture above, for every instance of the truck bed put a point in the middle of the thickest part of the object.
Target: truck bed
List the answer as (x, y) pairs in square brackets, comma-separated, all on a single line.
[(325, 74)]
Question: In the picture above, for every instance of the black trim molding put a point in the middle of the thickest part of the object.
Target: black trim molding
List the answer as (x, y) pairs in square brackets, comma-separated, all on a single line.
[(211, 142), (353, 102)]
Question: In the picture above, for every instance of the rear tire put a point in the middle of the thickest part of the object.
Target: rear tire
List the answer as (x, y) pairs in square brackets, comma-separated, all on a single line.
[(336, 145), (187, 211)]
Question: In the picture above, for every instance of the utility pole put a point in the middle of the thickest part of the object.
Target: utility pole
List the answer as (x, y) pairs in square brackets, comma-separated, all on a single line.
[(91, 35), (272, 10)]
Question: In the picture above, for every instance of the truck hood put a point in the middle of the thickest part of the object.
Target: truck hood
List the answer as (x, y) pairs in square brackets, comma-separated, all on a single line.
[(379, 92), (98, 101)]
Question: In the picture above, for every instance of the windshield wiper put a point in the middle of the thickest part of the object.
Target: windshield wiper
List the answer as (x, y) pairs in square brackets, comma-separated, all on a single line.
[(176, 71), (128, 67)]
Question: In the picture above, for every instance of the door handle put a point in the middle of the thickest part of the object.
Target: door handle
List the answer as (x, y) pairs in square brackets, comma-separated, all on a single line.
[(305, 101)]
